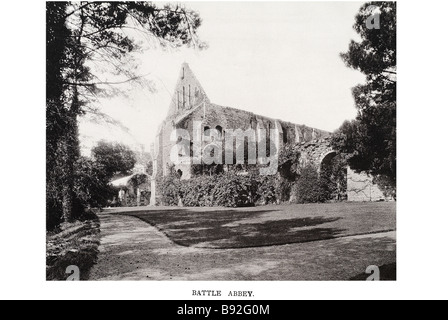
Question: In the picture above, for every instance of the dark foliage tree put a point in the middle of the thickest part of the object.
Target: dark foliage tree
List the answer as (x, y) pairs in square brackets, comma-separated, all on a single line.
[(91, 184), (370, 140), (138, 180), (114, 158), (79, 33)]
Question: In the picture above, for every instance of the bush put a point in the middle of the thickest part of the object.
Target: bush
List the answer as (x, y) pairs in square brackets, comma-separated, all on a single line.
[(227, 190), (386, 185), (267, 192), (283, 189), (169, 189), (293, 182), (138, 180), (91, 187), (308, 188), (233, 190), (197, 192)]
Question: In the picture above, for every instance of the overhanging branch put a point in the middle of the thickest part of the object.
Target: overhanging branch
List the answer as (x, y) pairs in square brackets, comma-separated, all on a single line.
[(92, 84)]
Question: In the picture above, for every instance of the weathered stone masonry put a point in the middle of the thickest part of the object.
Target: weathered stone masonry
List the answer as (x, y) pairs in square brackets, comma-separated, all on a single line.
[(190, 103)]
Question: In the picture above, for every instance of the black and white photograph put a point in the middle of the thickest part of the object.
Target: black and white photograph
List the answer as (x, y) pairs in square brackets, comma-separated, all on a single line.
[(221, 141), (223, 158)]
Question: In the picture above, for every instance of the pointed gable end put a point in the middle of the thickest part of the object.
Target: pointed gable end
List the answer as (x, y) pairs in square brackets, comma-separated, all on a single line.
[(188, 93)]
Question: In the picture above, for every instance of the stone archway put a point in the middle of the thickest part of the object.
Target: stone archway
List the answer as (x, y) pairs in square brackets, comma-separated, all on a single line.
[(326, 158), (333, 170)]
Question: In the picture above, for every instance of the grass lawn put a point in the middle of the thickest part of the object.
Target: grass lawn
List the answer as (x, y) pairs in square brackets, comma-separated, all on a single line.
[(228, 228)]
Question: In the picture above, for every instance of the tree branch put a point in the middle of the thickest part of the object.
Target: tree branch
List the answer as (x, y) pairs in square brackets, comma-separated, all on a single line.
[(77, 9), (85, 84)]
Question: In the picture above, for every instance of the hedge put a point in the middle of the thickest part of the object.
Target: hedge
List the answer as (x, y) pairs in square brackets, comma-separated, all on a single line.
[(293, 183), (227, 190)]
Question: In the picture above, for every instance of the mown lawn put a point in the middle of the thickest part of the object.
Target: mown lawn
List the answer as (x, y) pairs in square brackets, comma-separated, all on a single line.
[(224, 228)]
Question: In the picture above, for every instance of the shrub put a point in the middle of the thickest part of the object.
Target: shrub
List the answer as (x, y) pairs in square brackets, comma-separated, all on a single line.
[(283, 188), (308, 188), (386, 185), (138, 180), (169, 190), (267, 190), (237, 189), (228, 190), (91, 186), (233, 190), (197, 192)]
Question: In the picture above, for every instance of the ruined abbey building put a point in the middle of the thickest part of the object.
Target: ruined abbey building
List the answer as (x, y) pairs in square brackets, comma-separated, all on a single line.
[(190, 105)]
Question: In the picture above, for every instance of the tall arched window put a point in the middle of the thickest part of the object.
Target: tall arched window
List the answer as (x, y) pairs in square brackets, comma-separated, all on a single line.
[(183, 97), (219, 128), (189, 95), (285, 135), (206, 131), (268, 133)]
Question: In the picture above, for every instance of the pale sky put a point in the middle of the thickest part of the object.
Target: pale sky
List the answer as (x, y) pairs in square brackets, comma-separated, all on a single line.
[(277, 59)]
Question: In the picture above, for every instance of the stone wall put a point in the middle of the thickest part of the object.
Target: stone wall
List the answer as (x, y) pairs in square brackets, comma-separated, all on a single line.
[(313, 152), (360, 188)]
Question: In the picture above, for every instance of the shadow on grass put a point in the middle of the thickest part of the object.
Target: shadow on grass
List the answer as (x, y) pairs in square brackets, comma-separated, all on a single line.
[(227, 229)]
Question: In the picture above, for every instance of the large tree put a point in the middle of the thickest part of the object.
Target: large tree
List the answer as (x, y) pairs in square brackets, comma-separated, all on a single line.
[(85, 34), (114, 158), (370, 140)]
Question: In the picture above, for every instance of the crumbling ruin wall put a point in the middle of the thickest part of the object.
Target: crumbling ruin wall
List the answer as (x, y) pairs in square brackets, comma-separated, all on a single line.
[(190, 104)]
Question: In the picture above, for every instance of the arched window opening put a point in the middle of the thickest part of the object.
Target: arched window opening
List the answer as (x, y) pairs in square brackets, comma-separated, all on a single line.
[(268, 133), (206, 131), (333, 175), (189, 95), (327, 160), (219, 128), (285, 135)]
